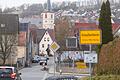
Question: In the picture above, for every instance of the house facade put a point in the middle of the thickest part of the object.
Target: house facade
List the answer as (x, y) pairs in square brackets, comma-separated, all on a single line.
[(45, 42), (9, 26), (48, 20)]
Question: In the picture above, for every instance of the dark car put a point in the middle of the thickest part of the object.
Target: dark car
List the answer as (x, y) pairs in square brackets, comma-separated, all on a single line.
[(62, 78), (36, 59), (9, 73)]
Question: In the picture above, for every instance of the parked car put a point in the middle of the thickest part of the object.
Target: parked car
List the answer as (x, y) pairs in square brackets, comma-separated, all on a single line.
[(62, 78), (9, 73), (36, 59), (43, 59)]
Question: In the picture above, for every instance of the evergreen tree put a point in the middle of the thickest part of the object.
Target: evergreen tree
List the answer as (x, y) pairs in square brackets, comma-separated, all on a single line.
[(105, 23), (108, 18)]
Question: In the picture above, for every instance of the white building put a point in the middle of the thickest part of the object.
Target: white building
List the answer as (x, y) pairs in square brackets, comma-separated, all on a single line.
[(48, 20), (45, 38)]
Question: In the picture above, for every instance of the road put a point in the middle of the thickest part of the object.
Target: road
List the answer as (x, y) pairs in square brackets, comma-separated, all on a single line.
[(35, 72)]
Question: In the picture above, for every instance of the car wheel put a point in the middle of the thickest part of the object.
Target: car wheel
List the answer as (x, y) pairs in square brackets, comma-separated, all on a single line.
[(40, 63), (45, 63)]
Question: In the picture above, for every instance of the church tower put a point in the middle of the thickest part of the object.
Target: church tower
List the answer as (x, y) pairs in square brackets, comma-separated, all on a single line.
[(48, 20)]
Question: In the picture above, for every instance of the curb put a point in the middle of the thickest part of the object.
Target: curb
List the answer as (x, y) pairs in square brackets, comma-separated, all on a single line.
[(69, 74)]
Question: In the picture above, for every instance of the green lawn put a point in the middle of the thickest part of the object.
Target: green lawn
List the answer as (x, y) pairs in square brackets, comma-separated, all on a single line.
[(104, 77)]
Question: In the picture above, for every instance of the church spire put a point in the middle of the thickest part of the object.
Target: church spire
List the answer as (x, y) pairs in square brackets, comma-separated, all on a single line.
[(48, 5)]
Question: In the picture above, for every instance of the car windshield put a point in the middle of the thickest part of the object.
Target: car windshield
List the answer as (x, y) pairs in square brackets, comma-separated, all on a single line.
[(5, 70)]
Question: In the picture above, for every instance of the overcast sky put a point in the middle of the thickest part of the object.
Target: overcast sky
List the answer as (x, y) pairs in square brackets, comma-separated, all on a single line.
[(11, 3)]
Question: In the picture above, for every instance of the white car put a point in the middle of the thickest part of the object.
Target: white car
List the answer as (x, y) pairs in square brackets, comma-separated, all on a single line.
[(43, 59)]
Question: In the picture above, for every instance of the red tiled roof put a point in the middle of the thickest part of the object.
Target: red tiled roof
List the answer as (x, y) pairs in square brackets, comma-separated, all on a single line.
[(86, 26), (115, 26), (89, 26)]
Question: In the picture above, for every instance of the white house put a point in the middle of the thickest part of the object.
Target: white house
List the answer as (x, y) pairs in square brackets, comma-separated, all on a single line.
[(45, 42), (45, 38), (48, 20)]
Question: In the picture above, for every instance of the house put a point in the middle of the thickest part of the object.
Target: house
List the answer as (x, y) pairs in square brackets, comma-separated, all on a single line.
[(92, 26), (9, 25), (42, 39), (22, 39), (116, 31), (34, 20)]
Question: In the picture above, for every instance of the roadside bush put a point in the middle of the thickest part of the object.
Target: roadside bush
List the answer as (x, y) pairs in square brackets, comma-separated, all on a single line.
[(104, 77), (109, 59)]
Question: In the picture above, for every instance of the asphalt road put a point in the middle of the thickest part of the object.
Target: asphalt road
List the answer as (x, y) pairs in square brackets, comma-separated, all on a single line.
[(35, 72)]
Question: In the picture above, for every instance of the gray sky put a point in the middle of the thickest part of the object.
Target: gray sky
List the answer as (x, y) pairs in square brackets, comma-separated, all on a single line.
[(11, 3)]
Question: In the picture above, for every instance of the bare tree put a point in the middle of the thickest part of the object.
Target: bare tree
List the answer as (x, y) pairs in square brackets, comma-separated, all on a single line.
[(61, 32), (7, 46)]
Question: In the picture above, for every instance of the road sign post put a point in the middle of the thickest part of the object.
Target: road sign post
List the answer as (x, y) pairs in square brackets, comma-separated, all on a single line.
[(54, 47), (89, 37)]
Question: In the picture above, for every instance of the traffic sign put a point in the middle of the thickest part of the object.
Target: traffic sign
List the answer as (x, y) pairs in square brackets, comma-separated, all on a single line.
[(54, 46), (90, 37), (90, 58)]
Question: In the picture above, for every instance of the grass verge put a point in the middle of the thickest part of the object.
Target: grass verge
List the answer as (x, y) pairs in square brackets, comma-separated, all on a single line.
[(103, 77)]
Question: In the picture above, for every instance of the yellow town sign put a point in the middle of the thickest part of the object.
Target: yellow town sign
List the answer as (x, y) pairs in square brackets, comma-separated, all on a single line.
[(90, 37)]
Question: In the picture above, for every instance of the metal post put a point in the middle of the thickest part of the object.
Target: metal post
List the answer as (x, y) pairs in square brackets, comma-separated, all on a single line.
[(90, 66), (17, 64), (54, 63), (73, 64)]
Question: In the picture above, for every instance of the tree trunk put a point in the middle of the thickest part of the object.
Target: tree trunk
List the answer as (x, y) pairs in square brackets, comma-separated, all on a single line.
[(4, 61)]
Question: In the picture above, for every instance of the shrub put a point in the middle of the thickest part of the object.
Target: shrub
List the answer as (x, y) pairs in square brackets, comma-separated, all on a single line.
[(109, 59)]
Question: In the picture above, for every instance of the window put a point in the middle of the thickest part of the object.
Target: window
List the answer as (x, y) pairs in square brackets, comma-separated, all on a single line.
[(45, 15), (2, 25), (48, 45), (5, 70), (47, 39), (51, 16), (42, 45), (44, 39)]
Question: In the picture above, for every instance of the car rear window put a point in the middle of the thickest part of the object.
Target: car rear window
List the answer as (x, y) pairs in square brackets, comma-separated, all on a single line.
[(6, 70)]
